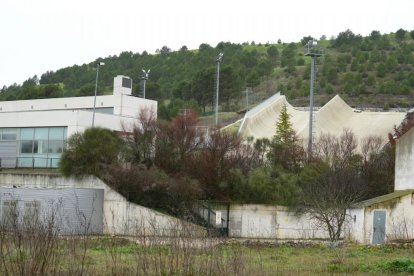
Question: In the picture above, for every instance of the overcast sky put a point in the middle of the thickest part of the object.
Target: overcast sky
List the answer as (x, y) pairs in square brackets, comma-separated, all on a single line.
[(43, 35)]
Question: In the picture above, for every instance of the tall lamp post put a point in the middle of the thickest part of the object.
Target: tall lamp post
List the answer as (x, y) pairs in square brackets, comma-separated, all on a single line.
[(312, 50), (96, 90), (218, 60), (145, 78)]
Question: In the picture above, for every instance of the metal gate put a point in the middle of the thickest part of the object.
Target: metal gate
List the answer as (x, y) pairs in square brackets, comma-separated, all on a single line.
[(215, 216), (378, 236)]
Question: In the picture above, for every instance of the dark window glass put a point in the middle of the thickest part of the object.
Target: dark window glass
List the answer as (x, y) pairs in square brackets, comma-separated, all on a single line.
[(26, 146), (35, 146), (126, 82), (55, 147)]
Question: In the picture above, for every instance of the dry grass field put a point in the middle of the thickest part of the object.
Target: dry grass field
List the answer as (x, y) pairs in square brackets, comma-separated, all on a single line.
[(43, 253)]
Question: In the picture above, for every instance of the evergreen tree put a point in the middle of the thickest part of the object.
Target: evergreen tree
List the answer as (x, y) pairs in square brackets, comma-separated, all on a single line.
[(286, 151), (284, 130)]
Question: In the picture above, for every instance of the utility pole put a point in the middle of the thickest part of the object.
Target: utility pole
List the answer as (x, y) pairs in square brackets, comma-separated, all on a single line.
[(312, 50), (145, 78), (218, 60), (96, 91)]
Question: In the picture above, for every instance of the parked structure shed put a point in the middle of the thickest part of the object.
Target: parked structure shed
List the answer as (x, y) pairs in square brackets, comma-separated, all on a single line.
[(385, 218)]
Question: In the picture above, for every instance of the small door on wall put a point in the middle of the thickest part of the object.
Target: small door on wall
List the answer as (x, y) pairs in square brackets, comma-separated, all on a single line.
[(378, 236)]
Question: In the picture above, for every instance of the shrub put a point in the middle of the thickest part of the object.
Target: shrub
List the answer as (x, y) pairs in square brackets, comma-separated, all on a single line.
[(398, 265), (90, 152)]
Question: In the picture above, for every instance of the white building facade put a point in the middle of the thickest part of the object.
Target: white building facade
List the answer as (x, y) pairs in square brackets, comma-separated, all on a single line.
[(33, 133), (389, 217)]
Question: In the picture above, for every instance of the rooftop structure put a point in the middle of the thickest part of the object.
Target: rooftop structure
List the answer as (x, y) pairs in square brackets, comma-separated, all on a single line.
[(333, 118)]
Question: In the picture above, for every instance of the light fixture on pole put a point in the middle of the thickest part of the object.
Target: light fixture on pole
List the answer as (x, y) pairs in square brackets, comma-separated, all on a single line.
[(312, 50), (145, 78), (218, 60), (96, 90)]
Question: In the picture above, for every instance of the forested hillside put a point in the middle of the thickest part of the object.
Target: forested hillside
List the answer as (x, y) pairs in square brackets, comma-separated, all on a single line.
[(377, 70)]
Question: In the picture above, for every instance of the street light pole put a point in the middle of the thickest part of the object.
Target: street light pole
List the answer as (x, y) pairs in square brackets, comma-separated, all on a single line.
[(96, 90), (218, 60), (145, 78), (311, 103), (312, 50)]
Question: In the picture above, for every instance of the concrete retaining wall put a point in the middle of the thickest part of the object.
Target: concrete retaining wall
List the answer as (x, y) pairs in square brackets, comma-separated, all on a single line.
[(265, 221), (120, 216)]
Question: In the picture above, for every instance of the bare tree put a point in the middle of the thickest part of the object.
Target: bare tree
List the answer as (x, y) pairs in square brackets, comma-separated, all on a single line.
[(332, 184), (141, 139), (177, 141)]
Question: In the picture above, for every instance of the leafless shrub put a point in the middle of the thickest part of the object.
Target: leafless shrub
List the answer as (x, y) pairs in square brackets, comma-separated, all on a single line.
[(331, 184), (401, 229), (38, 247), (28, 244)]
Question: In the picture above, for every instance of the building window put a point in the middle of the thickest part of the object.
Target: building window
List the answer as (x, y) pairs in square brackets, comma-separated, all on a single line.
[(26, 133), (8, 134), (55, 146), (103, 110), (126, 82), (41, 147), (26, 146)]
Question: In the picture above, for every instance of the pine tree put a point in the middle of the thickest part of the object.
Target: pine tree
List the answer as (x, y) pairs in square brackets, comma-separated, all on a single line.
[(284, 130), (286, 150)]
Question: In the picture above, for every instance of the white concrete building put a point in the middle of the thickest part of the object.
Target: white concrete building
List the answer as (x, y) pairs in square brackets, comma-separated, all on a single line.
[(33, 133), (385, 218), (388, 217)]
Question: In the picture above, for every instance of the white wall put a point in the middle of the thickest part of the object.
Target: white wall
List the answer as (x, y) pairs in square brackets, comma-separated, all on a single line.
[(355, 225), (265, 221), (120, 216), (123, 104), (404, 162), (67, 112)]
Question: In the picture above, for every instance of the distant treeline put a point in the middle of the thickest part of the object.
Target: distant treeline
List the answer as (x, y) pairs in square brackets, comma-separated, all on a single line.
[(352, 65)]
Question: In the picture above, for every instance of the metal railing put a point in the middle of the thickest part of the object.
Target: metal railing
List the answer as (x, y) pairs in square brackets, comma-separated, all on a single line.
[(29, 162)]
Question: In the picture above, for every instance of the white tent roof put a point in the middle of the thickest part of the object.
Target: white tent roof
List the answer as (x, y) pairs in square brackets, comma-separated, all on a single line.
[(332, 118)]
